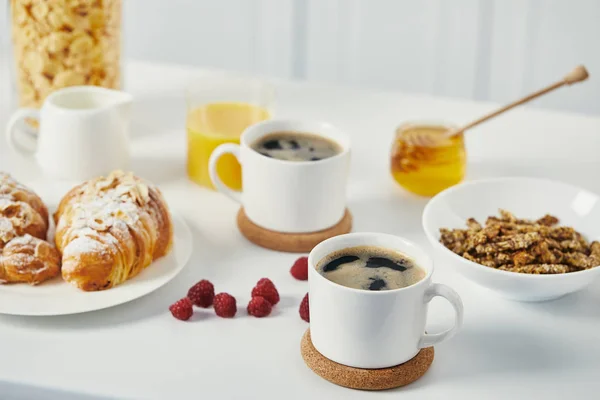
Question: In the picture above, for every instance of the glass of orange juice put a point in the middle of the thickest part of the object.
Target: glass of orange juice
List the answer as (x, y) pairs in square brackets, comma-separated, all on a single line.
[(219, 109)]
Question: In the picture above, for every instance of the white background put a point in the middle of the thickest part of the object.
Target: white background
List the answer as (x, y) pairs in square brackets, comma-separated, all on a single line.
[(478, 49)]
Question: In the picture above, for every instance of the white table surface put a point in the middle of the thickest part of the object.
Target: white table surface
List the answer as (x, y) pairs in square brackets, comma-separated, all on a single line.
[(138, 350)]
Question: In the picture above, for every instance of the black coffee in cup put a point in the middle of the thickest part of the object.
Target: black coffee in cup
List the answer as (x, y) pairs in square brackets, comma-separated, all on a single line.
[(296, 146), (370, 268)]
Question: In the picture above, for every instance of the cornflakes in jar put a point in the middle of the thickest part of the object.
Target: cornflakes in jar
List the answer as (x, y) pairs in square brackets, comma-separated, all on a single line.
[(62, 43)]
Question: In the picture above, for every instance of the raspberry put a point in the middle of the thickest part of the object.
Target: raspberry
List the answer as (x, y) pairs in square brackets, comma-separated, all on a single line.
[(182, 309), (304, 314), (225, 305), (259, 307), (300, 269), (202, 293), (265, 281), (265, 288)]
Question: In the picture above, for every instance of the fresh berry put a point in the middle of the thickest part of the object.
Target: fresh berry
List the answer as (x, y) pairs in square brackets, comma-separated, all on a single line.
[(182, 309), (265, 281), (265, 288), (300, 269), (225, 305), (202, 293), (259, 307), (304, 314)]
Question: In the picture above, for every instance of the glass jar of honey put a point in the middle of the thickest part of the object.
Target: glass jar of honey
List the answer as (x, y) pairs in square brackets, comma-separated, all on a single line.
[(218, 111), (424, 160)]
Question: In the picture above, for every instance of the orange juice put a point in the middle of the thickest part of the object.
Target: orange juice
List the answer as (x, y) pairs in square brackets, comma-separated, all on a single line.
[(209, 126)]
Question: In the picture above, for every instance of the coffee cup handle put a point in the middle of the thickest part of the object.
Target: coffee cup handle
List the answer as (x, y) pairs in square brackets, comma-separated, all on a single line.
[(226, 148), (437, 289), (15, 137)]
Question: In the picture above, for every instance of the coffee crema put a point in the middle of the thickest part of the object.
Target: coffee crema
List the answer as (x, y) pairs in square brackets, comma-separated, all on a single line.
[(296, 146), (370, 268)]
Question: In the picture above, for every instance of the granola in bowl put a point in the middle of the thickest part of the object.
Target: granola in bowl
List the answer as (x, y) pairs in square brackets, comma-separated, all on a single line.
[(511, 257), (512, 244)]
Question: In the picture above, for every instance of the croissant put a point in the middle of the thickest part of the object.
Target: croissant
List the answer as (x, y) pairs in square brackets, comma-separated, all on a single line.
[(30, 260), (21, 211), (109, 229), (25, 256)]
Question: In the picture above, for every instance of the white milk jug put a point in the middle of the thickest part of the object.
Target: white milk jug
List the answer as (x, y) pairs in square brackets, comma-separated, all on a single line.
[(83, 132)]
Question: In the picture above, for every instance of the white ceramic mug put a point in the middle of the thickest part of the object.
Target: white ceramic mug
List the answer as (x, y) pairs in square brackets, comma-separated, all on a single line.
[(288, 196), (83, 132), (374, 329)]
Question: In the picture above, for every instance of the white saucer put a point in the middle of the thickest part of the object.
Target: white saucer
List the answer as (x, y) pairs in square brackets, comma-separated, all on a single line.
[(57, 297)]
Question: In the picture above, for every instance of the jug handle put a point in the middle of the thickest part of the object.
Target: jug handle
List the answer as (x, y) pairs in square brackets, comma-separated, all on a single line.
[(14, 136)]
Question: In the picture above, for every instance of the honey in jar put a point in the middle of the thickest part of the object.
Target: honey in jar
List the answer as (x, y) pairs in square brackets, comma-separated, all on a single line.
[(425, 160), (213, 124)]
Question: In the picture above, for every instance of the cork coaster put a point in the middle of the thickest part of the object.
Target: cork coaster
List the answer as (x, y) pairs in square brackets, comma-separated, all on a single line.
[(290, 242), (365, 379)]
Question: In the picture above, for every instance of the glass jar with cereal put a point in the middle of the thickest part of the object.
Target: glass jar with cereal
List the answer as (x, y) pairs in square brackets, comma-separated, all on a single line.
[(62, 43)]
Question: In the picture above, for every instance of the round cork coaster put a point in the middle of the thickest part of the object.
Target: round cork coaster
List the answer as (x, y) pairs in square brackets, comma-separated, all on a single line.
[(365, 379), (290, 242)]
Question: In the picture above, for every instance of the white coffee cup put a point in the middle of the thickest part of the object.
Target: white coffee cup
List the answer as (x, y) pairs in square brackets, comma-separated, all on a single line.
[(83, 132), (374, 329), (288, 196)]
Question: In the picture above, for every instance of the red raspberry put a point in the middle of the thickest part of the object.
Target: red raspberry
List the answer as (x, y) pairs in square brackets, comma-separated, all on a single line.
[(300, 269), (304, 314), (259, 307), (182, 309), (265, 281), (202, 293), (225, 305), (265, 288)]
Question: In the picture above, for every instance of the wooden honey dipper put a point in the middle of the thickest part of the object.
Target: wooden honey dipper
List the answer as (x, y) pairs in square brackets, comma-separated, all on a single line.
[(578, 74)]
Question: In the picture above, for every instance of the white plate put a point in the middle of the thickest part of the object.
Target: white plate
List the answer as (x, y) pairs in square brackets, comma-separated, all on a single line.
[(57, 297)]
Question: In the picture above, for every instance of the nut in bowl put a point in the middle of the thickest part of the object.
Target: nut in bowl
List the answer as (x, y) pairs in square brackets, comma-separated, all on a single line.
[(529, 258)]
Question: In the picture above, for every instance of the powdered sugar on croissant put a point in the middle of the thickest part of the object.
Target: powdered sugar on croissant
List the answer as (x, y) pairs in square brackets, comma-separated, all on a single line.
[(109, 229)]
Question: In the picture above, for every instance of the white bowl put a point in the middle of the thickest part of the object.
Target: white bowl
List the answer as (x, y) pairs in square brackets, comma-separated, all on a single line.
[(526, 198)]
